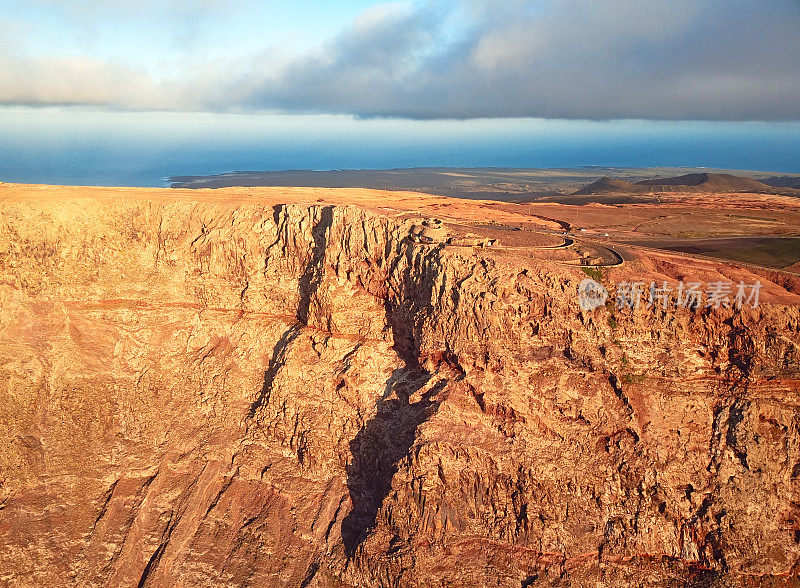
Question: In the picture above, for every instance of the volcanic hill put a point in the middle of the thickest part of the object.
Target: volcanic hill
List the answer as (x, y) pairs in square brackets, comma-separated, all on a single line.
[(695, 182)]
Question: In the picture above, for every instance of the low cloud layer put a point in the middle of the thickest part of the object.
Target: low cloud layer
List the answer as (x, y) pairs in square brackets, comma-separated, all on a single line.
[(685, 59), (77, 81)]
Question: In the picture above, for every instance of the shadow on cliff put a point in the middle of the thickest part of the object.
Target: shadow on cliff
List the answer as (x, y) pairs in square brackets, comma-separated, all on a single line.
[(386, 439), (407, 311), (379, 447), (312, 275), (307, 284), (277, 361)]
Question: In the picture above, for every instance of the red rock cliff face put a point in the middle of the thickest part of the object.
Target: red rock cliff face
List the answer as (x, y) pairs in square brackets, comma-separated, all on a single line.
[(200, 394)]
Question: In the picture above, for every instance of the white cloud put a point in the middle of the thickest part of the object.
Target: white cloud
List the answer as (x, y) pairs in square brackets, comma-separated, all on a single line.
[(79, 81)]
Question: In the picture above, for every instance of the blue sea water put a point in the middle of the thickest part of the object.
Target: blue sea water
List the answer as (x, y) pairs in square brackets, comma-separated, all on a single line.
[(76, 147)]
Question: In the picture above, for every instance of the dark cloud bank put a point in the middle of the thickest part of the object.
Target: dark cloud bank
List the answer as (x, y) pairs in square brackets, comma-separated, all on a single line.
[(680, 59)]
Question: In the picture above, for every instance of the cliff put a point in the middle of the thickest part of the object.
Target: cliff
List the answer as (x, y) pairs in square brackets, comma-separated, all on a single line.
[(242, 392)]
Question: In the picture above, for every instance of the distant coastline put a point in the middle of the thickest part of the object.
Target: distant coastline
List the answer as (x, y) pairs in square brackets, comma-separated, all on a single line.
[(491, 183)]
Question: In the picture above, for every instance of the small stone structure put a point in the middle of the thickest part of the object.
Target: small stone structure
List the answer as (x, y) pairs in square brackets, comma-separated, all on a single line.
[(430, 231)]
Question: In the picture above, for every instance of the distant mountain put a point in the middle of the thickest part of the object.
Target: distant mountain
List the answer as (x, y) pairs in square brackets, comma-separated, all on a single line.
[(783, 181), (705, 182), (607, 185), (695, 182)]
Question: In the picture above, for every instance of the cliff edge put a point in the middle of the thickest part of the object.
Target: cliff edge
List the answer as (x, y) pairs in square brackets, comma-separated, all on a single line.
[(283, 392)]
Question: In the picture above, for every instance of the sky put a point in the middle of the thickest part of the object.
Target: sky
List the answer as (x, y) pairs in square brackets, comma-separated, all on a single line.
[(683, 68), (568, 59)]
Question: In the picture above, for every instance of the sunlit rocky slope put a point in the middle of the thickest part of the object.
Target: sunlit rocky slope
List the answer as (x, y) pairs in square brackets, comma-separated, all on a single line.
[(281, 390)]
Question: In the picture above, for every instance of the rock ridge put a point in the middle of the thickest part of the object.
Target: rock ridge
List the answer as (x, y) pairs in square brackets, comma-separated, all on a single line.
[(240, 394)]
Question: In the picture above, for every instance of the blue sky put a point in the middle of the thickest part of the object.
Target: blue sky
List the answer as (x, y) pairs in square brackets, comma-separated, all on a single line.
[(158, 35)]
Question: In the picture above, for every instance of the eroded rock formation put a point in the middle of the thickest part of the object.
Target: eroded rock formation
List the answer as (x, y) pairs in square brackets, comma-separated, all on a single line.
[(238, 394)]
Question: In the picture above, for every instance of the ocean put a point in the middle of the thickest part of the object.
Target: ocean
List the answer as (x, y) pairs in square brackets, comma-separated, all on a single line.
[(82, 147)]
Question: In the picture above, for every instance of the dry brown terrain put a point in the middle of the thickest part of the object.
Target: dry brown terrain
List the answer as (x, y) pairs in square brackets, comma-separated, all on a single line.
[(277, 387), (699, 222)]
